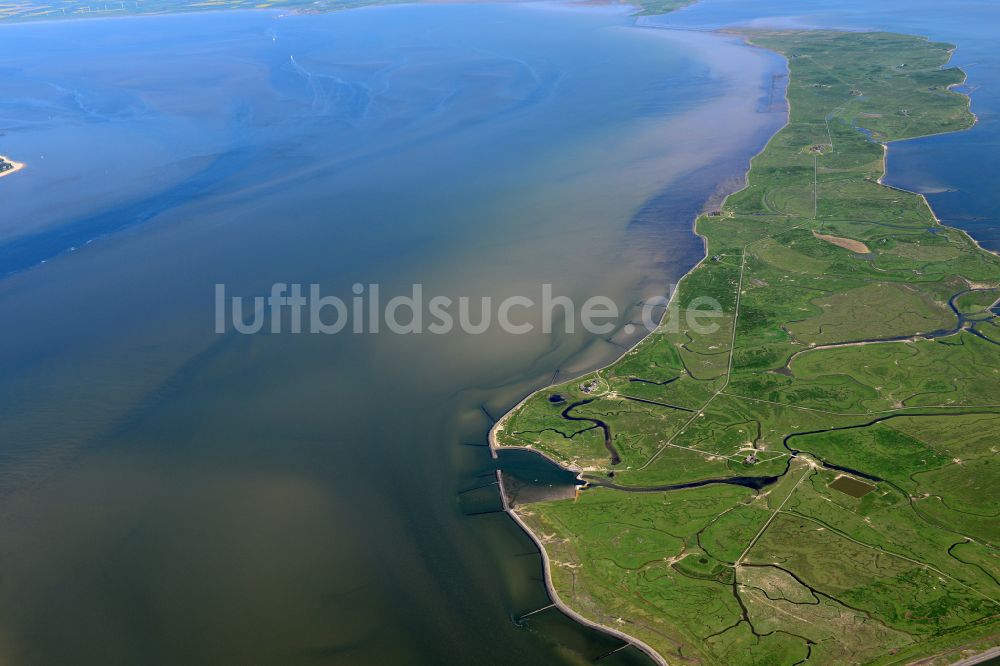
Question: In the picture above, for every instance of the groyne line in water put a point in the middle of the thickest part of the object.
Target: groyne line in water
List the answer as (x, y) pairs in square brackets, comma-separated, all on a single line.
[(499, 424), (556, 600), (794, 453)]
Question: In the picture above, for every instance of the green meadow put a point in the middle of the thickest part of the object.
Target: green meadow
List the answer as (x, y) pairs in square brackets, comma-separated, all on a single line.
[(856, 340)]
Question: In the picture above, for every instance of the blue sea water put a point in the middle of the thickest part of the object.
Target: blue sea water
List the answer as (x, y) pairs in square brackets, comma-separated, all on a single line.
[(959, 173), (171, 495)]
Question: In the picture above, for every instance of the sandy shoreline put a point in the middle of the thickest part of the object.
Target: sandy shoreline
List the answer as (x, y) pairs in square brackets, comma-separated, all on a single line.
[(17, 166), (550, 588), (499, 425)]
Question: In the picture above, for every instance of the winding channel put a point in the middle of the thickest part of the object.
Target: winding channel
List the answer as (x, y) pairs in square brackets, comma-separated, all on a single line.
[(598, 423), (964, 321)]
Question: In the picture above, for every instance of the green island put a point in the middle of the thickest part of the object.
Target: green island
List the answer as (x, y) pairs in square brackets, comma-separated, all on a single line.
[(817, 480)]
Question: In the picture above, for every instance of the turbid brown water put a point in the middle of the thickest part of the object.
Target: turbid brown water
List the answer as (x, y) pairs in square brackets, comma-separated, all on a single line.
[(172, 495)]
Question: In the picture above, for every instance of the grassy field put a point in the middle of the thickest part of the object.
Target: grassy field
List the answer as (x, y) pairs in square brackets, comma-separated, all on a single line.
[(856, 343)]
